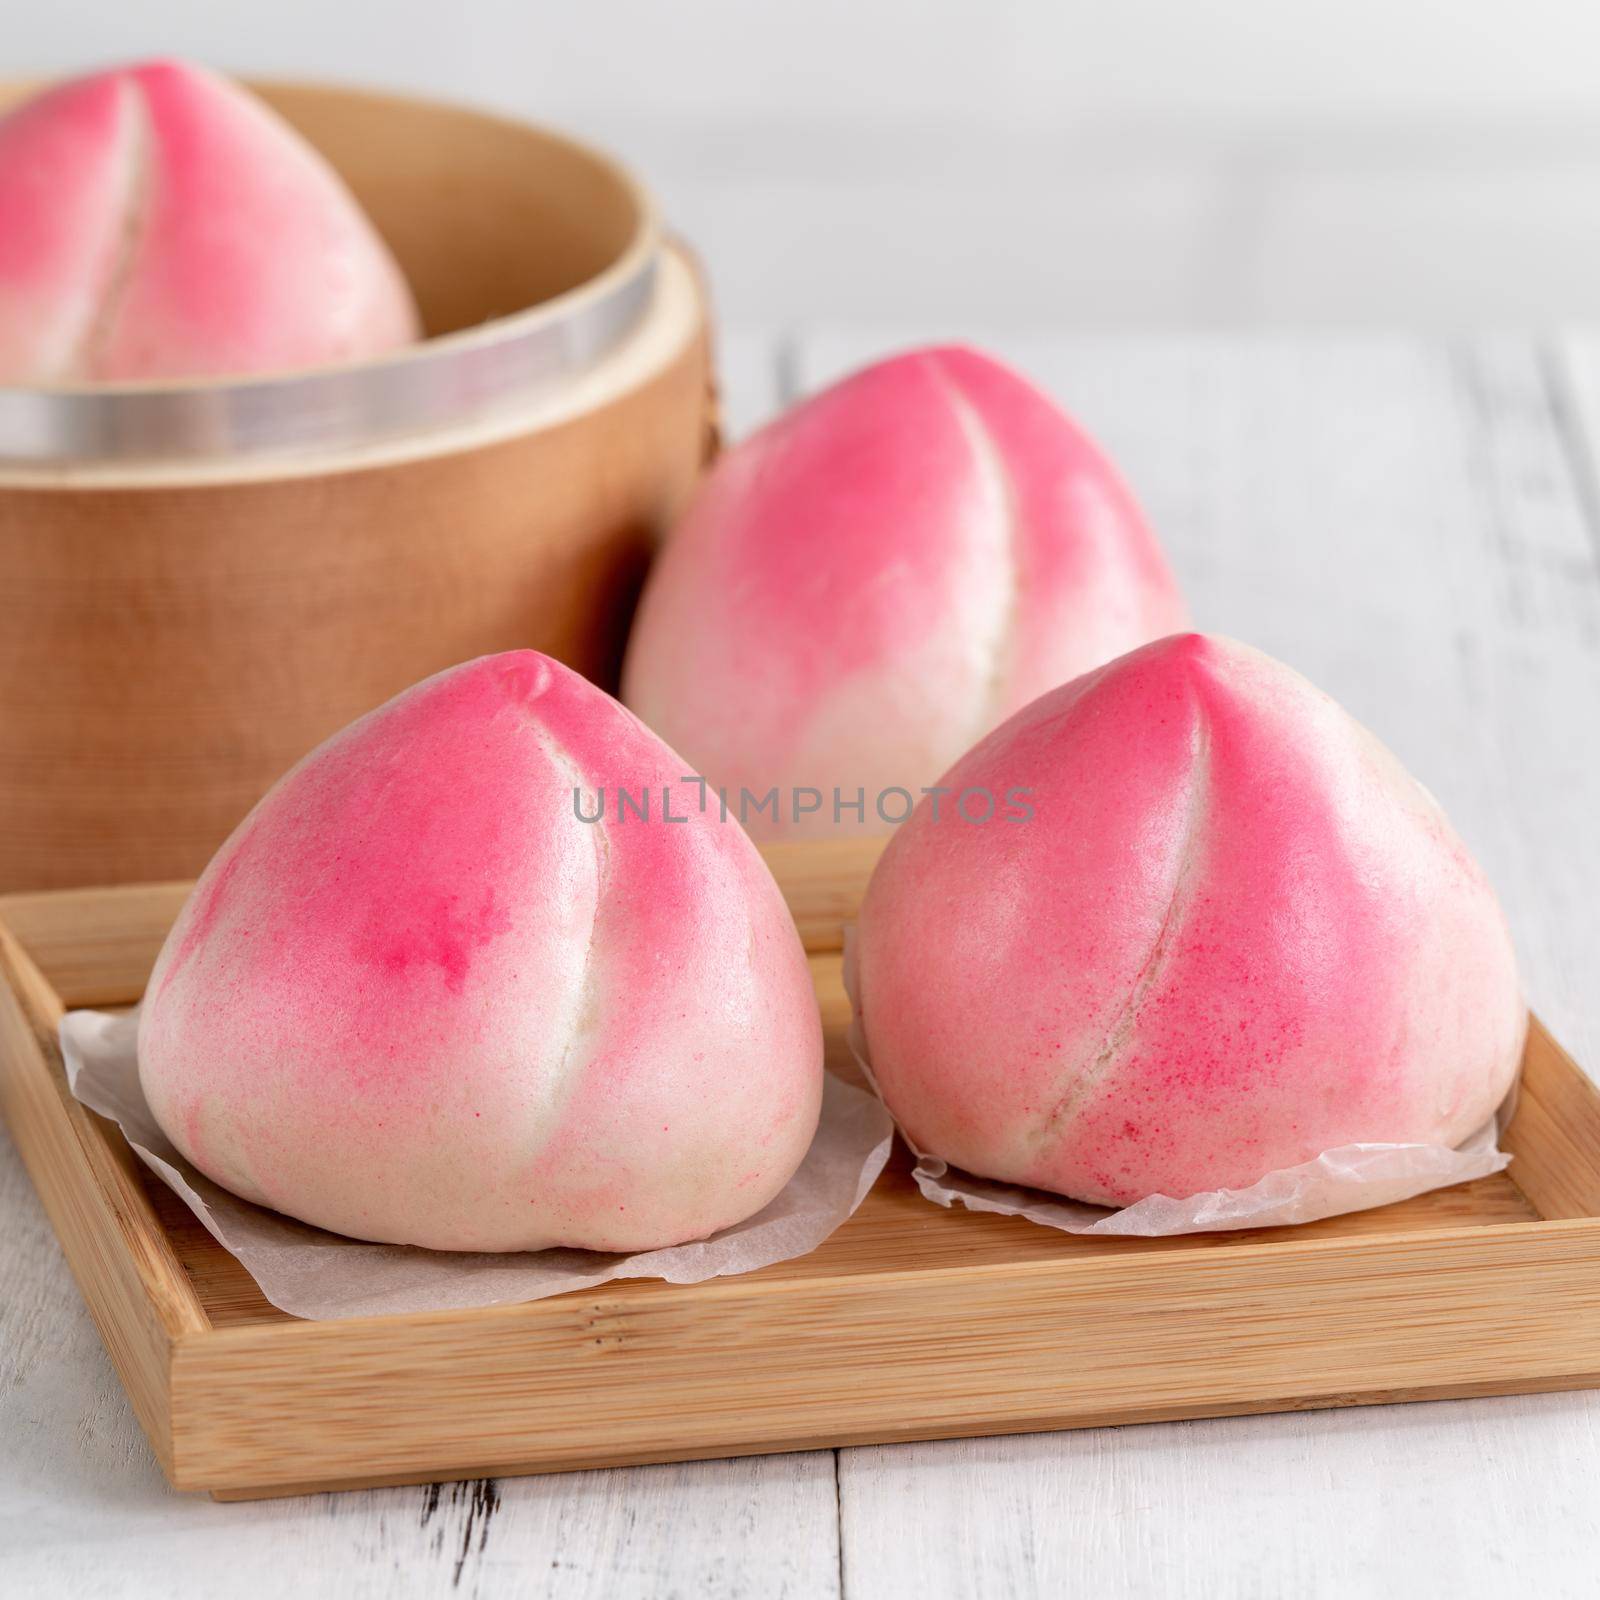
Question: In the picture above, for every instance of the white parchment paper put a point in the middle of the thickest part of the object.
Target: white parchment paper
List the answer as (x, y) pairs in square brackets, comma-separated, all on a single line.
[(310, 1273), (1353, 1177)]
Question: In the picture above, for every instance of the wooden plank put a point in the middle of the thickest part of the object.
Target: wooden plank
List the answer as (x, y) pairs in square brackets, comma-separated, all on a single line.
[(1407, 523), (101, 959), (1422, 1500)]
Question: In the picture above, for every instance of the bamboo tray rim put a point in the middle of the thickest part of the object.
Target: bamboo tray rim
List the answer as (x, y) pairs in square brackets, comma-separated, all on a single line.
[(741, 1285), (1157, 1263)]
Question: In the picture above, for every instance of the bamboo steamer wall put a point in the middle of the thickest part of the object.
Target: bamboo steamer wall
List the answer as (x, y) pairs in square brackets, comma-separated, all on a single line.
[(173, 637)]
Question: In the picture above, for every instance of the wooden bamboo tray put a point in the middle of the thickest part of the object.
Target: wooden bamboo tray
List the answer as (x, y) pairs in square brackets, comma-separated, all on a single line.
[(910, 1323)]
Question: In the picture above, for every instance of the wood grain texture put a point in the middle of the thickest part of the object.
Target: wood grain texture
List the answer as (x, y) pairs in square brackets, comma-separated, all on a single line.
[(1411, 524), (823, 881), (103, 967), (1425, 1499)]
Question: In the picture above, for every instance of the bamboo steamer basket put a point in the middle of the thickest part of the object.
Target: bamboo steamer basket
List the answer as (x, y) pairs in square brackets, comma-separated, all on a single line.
[(199, 582)]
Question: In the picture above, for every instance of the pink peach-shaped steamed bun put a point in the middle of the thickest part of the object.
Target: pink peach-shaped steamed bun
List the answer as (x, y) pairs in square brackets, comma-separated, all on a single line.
[(159, 222), (879, 577), (415, 999), (1233, 934)]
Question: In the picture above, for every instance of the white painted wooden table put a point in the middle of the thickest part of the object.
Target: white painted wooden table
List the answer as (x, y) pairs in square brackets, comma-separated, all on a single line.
[(1414, 525)]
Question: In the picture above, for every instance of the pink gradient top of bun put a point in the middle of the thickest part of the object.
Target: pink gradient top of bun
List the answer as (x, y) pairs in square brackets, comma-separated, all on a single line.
[(876, 579), (1235, 933), (158, 222), (415, 999)]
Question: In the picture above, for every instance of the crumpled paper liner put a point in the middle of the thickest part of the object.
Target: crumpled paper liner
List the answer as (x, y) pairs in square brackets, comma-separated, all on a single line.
[(311, 1273), (1353, 1177)]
